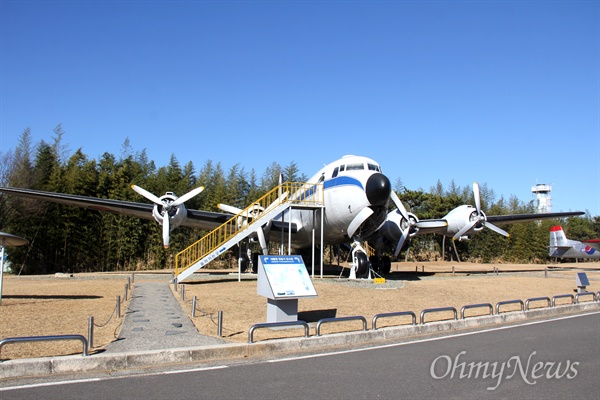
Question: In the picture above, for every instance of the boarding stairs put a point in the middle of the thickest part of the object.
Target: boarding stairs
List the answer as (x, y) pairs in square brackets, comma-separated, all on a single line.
[(246, 223)]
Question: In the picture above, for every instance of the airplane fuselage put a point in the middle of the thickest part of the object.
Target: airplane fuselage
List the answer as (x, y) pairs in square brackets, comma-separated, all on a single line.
[(561, 247), (351, 185)]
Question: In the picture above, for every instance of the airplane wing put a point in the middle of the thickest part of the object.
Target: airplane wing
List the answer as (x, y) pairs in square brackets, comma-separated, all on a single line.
[(195, 218), (514, 218), (427, 226), (435, 226)]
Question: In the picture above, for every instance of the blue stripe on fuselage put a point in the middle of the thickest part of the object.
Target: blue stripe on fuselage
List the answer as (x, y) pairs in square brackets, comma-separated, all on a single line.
[(342, 181)]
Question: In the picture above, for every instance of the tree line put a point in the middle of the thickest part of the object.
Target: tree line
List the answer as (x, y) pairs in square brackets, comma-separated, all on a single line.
[(70, 239)]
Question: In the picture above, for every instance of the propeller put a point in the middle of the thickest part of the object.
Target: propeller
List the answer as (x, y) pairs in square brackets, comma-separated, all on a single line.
[(407, 224), (251, 214), (404, 232), (255, 211), (478, 218), (167, 203)]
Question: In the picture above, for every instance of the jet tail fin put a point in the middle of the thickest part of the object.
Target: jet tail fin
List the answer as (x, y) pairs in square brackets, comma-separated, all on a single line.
[(558, 240)]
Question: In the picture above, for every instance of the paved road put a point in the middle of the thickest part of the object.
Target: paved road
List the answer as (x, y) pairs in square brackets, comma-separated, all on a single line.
[(555, 359)]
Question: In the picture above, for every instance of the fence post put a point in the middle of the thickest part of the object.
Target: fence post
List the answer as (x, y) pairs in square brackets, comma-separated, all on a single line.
[(125, 292), (118, 306), (194, 306), (90, 333), (220, 324), (182, 292)]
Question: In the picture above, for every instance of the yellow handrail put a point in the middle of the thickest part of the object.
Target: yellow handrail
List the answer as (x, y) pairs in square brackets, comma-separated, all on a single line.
[(299, 194), (370, 250)]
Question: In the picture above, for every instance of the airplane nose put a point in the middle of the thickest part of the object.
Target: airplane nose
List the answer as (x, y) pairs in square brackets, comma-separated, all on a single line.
[(378, 189)]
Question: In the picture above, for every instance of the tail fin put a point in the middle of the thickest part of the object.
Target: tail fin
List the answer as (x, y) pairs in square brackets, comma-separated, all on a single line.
[(558, 239)]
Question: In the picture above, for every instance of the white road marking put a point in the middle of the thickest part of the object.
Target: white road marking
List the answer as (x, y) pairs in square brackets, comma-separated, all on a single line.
[(428, 339), (70, 382)]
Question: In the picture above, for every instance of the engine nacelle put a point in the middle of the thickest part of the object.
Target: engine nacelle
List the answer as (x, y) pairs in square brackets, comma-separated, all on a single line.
[(176, 214), (394, 225), (462, 216)]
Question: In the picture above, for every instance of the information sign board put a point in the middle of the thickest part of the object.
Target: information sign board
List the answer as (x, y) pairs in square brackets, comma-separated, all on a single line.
[(284, 277)]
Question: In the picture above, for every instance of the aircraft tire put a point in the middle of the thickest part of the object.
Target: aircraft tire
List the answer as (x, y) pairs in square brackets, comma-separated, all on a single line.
[(385, 266), (244, 262), (363, 265), (255, 262), (375, 264)]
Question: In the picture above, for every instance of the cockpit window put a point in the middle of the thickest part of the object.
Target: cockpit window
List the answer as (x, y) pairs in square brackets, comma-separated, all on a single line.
[(354, 167), (373, 167), (342, 168), (335, 172)]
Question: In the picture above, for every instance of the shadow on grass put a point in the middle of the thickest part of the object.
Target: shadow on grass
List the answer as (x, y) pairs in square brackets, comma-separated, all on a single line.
[(316, 315), (50, 297)]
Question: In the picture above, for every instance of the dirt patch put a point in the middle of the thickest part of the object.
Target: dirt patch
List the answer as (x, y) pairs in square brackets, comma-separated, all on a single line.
[(51, 306)]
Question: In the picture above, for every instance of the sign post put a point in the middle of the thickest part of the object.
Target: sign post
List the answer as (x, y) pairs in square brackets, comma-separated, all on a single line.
[(283, 280)]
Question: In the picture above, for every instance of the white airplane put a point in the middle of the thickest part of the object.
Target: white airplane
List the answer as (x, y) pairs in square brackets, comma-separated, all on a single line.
[(561, 247), (356, 199)]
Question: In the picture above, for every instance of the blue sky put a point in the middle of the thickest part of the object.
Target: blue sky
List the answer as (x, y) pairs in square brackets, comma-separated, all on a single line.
[(505, 93)]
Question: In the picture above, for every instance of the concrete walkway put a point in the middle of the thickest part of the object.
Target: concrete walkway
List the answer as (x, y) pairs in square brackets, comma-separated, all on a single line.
[(155, 320)]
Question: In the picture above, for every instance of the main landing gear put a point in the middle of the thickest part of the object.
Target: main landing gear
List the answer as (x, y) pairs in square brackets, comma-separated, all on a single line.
[(362, 265), (381, 265)]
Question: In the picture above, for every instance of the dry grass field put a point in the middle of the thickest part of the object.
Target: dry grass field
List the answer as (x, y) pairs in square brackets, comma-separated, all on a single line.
[(49, 305)]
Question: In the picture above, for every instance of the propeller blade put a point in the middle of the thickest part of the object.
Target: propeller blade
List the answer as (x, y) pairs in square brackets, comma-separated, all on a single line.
[(358, 220), (477, 197), (464, 230), (187, 196), (399, 206), (403, 237), (230, 209), (166, 230), (147, 194), (280, 183), (496, 229), (262, 241)]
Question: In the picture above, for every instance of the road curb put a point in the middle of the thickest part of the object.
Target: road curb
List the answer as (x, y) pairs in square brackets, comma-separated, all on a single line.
[(107, 362)]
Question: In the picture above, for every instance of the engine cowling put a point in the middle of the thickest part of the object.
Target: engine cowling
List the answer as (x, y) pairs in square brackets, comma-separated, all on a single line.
[(176, 214)]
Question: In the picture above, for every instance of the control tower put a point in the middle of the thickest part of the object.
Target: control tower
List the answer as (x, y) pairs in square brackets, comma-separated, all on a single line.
[(544, 198)]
